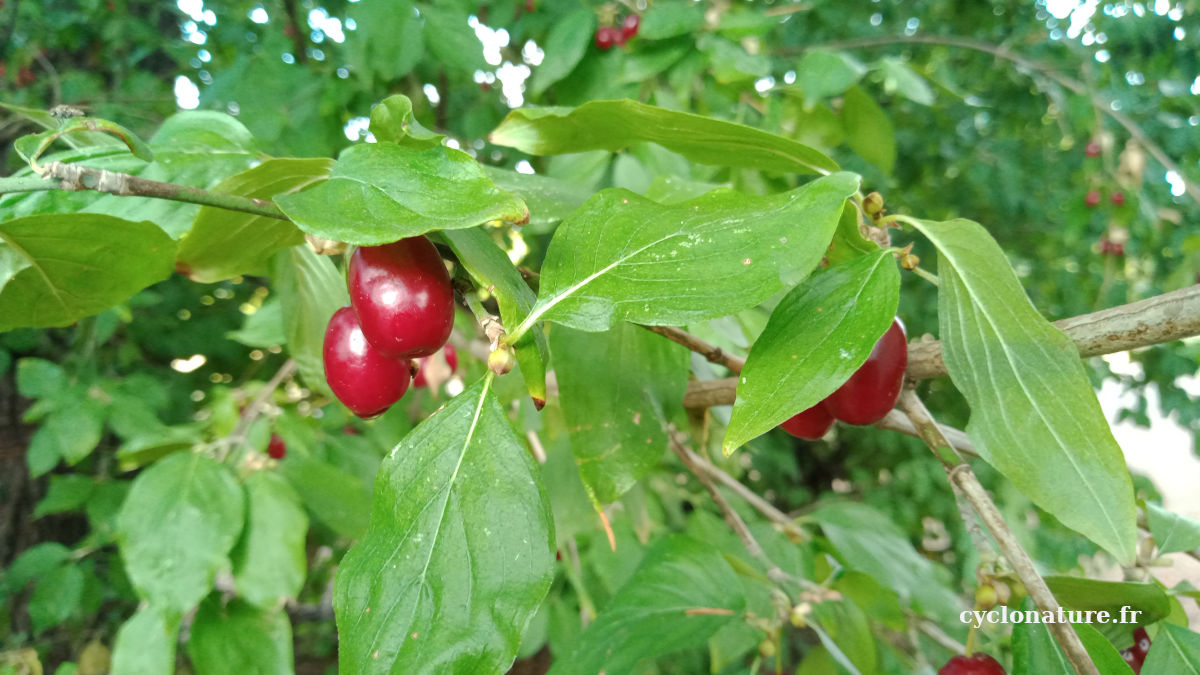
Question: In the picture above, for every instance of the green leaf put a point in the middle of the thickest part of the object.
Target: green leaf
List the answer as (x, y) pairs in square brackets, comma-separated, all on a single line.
[(335, 498), (549, 199), (869, 130), (392, 121), (1172, 532), (34, 562), (867, 541), (458, 555), (263, 328), (66, 493), (387, 42), (239, 638), (613, 125), (223, 244), (491, 269), (453, 42), (730, 62), (70, 433), (56, 597), (670, 18), (1034, 416), (1089, 594), (145, 644), (618, 416), (1036, 651), (176, 528), (848, 241), (310, 290), (676, 264), (649, 617), (1176, 651), (39, 378), (380, 192), (821, 74), (817, 337), (269, 561), (565, 45), (900, 78), (847, 634), (79, 264)]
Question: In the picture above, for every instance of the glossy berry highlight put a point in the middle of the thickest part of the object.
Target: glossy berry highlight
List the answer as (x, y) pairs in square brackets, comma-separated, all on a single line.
[(872, 390), (977, 664), (629, 27), (365, 381), (402, 296), (811, 424)]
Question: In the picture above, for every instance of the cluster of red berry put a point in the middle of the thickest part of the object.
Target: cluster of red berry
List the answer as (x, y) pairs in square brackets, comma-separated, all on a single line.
[(609, 36), (1135, 656), (401, 308), (866, 397), (1092, 198), (1110, 247)]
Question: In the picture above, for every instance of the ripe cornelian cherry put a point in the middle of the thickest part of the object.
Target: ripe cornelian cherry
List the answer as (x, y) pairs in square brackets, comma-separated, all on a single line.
[(810, 424), (451, 360), (629, 27), (871, 391), (1118, 199), (978, 664), (607, 36), (276, 448), (1092, 149), (1092, 198), (365, 381), (402, 296)]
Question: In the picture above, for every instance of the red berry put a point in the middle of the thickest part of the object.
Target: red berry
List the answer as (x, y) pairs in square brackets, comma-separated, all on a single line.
[(402, 295), (1092, 149), (364, 380), (979, 664), (1133, 659), (1141, 641), (1118, 198), (871, 392), (276, 448), (607, 36), (451, 360), (1092, 198), (25, 76), (810, 424), (529, 6), (629, 26)]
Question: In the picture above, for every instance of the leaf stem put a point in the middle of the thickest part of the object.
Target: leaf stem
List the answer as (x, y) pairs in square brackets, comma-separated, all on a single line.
[(77, 177), (712, 353), (963, 478)]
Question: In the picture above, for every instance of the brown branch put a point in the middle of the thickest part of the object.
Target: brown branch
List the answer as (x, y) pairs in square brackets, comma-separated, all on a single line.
[(1163, 318), (713, 353), (1098, 102), (295, 30), (961, 477)]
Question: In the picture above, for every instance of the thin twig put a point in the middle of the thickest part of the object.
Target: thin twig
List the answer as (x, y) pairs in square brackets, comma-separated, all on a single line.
[(935, 633), (78, 177), (1157, 320), (252, 411), (712, 353), (961, 476), (1098, 102)]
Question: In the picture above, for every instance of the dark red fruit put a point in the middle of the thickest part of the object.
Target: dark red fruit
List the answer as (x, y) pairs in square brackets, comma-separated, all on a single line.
[(364, 380), (402, 295), (629, 27), (1133, 659), (1118, 198), (1092, 149), (25, 76), (276, 448), (810, 424), (451, 360), (871, 391), (1092, 198), (607, 36), (978, 664)]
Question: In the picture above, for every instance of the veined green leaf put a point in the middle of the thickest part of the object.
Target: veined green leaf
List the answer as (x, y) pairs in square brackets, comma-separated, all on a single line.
[(176, 529), (239, 638), (1176, 651), (74, 265), (458, 555), (613, 125), (381, 192), (818, 335), (223, 244), (392, 120), (622, 257), (1034, 415), (269, 561), (565, 45), (1172, 532), (650, 616), (310, 290), (617, 417), (145, 644)]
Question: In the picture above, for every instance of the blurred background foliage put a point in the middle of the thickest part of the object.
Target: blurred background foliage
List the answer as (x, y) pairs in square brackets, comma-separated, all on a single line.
[(950, 109)]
